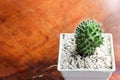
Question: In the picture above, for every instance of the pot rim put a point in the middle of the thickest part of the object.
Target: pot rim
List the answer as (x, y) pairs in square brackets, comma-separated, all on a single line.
[(100, 70)]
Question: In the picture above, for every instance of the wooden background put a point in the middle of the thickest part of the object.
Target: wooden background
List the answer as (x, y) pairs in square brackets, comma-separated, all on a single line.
[(29, 34)]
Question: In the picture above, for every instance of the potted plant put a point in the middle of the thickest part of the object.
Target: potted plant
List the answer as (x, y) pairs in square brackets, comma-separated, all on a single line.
[(86, 54)]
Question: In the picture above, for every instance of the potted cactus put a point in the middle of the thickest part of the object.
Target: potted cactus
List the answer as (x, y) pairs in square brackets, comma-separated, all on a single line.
[(86, 54)]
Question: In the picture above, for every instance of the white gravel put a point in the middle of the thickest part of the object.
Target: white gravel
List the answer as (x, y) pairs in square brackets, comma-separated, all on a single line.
[(70, 60)]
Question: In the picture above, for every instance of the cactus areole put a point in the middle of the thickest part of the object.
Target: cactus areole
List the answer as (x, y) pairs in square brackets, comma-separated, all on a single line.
[(88, 36)]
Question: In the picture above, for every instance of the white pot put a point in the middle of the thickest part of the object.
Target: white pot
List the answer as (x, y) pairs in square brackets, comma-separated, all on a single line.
[(86, 74)]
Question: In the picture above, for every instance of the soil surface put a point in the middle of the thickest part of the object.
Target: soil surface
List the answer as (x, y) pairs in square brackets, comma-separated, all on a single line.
[(101, 59)]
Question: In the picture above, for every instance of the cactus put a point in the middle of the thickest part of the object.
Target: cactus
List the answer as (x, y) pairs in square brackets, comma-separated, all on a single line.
[(88, 36)]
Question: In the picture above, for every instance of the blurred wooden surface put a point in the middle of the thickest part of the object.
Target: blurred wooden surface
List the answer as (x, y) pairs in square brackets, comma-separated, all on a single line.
[(29, 34)]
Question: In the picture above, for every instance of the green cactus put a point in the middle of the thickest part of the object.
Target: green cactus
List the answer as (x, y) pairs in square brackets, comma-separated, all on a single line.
[(88, 36)]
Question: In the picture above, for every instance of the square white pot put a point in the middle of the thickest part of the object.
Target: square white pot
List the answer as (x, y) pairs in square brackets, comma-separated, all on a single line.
[(86, 74)]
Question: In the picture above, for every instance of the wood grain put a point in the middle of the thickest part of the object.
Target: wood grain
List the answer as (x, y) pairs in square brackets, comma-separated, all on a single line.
[(29, 34)]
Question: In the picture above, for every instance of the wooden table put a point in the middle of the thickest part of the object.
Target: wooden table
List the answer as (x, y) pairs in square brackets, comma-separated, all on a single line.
[(29, 34)]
